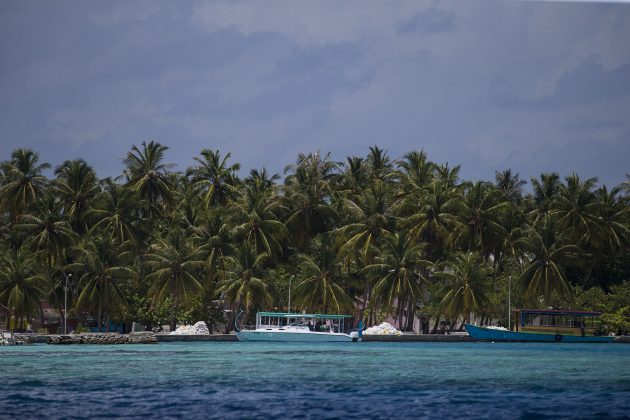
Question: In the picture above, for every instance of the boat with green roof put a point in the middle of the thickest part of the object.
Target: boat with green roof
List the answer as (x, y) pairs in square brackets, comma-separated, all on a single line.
[(281, 326), (545, 325)]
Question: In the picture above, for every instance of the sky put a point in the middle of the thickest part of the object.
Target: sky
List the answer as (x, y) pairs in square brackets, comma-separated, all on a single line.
[(534, 86)]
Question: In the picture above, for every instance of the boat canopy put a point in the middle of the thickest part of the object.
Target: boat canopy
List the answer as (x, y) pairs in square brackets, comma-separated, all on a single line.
[(306, 316), (557, 312)]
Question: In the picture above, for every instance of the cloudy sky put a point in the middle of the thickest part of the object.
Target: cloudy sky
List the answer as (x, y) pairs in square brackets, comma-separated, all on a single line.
[(529, 85)]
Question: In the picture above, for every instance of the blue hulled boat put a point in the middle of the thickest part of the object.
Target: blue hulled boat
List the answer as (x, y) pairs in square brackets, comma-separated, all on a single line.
[(544, 325)]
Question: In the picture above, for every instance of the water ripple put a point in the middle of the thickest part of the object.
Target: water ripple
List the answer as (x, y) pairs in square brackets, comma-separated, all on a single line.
[(337, 380)]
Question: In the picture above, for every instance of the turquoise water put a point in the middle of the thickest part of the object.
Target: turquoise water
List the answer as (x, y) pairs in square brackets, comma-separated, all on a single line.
[(335, 380)]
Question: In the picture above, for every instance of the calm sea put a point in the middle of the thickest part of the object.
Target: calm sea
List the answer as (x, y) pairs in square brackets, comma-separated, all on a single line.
[(336, 380)]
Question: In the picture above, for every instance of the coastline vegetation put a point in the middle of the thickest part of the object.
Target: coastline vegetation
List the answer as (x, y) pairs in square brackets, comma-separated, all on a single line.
[(370, 235)]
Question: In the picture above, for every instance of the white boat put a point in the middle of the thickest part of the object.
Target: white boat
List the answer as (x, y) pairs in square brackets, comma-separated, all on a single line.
[(8, 339), (280, 326)]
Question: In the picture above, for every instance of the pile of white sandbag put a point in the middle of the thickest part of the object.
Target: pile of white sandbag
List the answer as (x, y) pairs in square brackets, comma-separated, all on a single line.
[(384, 329), (197, 329)]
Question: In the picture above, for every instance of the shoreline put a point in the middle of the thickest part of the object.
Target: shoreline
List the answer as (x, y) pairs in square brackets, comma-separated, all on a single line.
[(151, 338)]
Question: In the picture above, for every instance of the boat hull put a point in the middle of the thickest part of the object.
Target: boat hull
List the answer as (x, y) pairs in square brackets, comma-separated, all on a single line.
[(292, 336), (489, 334)]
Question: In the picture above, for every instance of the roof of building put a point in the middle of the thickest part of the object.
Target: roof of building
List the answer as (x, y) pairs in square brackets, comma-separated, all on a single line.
[(308, 316), (566, 312)]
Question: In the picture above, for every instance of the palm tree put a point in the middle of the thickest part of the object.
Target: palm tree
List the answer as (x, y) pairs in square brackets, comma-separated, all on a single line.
[(576, 208), (448, 176), (261, 180), (211, 233), (76, 186), (188, 205), (509, 184), (612, 230), (256, 221), (355, 176), (215, 178), (148, 175), (480, 213), (613, 219), (379, 165), (512, 237), (370, 218), (307, 194), (103, 266), (398, 276), (21, 285), (116, 212), (244, 280), (416, 172), (321, 279), (545, 194), (48, 231), (466, 285), (625, 185), (176, 267), (23, 183), (432, 217), (549, 251)]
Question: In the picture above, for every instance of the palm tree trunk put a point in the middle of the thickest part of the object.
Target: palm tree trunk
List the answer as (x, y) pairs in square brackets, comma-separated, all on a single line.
[(98, 316), (229, 326), (411, 315), (587, 276), (173, 322), (365, 299), (435, 325), (41, 311)]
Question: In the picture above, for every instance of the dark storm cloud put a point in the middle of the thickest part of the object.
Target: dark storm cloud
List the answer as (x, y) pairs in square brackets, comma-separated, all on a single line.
[(429, 21), (534, 86)]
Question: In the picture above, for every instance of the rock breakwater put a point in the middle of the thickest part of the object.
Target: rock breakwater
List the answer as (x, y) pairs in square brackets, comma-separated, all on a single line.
[(133, 338)]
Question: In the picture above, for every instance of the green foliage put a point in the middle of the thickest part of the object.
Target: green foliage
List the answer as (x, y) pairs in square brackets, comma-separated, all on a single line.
[(244, 279), (504, 287), (551, 250), (372, 235), (321, 279), (81, 329), (618, 321), (21, 286), (466, 285), (593, 299), (149, 313), (278, 285), (192, 312)]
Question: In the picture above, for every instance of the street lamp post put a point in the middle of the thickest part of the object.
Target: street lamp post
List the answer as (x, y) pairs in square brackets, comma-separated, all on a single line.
[(510, 303), (65, 304), (289, 308)]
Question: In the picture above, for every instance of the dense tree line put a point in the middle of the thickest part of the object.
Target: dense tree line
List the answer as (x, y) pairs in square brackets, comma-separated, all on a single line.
[(370, 235)]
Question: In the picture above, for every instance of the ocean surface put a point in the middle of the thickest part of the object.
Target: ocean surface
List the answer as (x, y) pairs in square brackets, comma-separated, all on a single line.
[(332, 380)]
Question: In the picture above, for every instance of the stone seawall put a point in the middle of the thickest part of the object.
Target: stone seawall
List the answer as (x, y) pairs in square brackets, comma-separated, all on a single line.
[(34, 338), (167, 338), (133, 338), (150, 338), (426, 338)]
